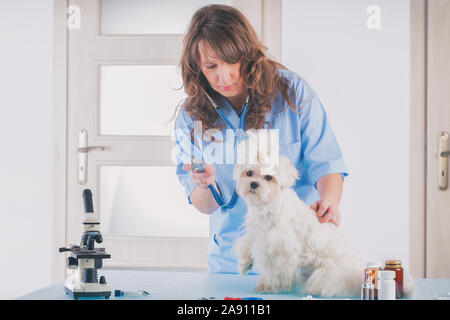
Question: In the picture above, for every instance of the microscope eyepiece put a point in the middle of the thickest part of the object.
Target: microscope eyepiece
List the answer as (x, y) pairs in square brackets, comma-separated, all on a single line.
[(87, 201)]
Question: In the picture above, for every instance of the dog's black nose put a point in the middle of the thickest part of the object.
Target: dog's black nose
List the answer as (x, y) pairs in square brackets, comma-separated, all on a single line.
[(254, 184)]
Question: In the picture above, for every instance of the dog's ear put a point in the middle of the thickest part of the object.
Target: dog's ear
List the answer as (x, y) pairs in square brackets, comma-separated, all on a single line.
[(237, 171), (287, 172)]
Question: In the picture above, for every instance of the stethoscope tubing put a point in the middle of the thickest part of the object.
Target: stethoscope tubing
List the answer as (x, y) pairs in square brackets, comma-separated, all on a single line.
[(234, 197)]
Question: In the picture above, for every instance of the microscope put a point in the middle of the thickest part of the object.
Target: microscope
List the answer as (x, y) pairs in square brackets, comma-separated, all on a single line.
[(86, 259)]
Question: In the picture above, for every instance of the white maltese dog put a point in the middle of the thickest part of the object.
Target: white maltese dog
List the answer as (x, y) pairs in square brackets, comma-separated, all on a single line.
[(284, 239)]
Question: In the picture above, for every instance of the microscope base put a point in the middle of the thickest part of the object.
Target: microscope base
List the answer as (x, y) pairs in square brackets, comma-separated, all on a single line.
[(82, 294), (77, 289)]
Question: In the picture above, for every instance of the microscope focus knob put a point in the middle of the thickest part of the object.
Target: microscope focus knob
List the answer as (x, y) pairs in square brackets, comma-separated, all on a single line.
[(72, 263), (102, 280)]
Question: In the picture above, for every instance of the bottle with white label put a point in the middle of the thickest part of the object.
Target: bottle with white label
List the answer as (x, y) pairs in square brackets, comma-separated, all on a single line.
[(386, 285)]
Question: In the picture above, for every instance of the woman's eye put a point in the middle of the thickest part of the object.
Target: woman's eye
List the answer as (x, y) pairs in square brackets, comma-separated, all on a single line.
[(268, 178), (211, 67), (249, 173)]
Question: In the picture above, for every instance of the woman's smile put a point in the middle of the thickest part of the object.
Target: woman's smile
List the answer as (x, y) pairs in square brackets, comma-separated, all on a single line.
[(228, 88)]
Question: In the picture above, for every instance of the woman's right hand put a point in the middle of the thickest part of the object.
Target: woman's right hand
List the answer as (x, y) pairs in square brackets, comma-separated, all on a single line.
[(202, 179)]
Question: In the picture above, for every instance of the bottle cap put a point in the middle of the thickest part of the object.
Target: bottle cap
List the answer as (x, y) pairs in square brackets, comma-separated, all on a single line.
[(393, 263), (118, 293), (386, 275)]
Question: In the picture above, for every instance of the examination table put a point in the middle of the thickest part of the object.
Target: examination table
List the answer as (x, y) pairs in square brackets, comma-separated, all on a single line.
[(194, 285)]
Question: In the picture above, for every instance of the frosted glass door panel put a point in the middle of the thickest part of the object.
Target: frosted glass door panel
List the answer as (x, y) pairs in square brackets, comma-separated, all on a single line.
[(149, 16), (147, 201), (139, 99)]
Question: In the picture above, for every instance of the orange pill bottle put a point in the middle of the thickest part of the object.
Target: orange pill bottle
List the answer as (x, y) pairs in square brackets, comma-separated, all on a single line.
[(396, 265), (372, 269)]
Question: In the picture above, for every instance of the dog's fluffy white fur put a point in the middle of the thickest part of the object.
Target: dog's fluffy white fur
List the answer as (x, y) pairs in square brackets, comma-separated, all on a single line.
[(283, 238)]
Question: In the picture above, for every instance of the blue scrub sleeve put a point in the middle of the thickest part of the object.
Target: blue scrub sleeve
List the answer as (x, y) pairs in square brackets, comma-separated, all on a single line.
[(183, 150), (320, 150)]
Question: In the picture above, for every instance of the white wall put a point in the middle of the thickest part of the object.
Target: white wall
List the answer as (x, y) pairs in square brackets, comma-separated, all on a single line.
[(26, 44), (362, 79)]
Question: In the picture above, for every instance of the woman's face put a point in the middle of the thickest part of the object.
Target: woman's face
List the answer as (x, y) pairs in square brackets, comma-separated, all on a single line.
[(223, 77)]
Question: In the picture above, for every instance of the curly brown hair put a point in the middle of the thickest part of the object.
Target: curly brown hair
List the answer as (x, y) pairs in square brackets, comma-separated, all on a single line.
[(234, 40)]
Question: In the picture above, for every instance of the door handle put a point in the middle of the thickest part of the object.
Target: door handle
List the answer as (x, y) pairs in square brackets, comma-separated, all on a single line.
[(87, 149), (82, 151), (444, 153)]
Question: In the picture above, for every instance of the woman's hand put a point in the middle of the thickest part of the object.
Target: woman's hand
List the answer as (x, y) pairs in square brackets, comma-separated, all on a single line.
[(202, 179), (201, 197), (326, 212)]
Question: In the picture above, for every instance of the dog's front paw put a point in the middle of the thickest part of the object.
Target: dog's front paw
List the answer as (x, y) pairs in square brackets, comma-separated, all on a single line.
[(261, 286), (265, 286)]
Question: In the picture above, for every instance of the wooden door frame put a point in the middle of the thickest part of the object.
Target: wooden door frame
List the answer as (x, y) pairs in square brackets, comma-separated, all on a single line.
[(437, 256), (418, 137), (271, 36)]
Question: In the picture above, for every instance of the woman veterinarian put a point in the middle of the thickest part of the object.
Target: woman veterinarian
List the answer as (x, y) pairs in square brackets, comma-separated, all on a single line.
[(224, 64)]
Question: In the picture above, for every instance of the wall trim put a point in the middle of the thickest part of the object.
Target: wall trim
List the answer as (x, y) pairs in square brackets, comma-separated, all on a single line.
[(59, 138)]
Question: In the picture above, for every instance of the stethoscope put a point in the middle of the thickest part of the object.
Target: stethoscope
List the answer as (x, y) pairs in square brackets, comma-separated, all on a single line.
[(199, 167)]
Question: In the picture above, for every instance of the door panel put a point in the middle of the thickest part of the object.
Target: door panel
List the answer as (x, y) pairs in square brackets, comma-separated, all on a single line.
[(138, 99), (438, 120), (141, 17)]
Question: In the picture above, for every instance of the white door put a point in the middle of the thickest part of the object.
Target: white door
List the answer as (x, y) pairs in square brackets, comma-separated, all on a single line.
[(123, 86), (438, 132)]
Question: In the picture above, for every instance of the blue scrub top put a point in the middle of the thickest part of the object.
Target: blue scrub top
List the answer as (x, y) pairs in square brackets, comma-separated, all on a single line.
[(306, 138)]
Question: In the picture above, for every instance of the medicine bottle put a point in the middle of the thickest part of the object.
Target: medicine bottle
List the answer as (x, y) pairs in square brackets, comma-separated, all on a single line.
[(372, 269), (367, 288), (386, 290), (396, 265)]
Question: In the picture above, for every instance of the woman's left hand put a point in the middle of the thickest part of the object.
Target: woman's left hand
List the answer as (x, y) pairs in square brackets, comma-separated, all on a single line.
[(326, 212)]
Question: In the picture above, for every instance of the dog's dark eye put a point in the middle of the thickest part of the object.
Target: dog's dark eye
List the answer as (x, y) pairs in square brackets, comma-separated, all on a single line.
[(268, 178), (249, 173)]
